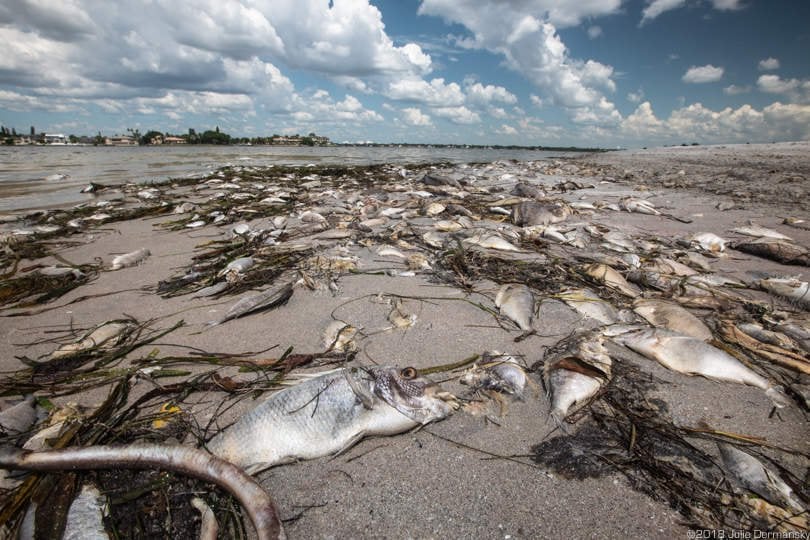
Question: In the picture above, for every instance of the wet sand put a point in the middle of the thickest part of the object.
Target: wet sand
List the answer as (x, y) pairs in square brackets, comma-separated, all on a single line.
[(464, 476)]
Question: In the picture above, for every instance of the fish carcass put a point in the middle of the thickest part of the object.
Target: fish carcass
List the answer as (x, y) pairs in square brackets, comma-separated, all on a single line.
[(692, 356), (575, 375), (516, 302), (329, 413)]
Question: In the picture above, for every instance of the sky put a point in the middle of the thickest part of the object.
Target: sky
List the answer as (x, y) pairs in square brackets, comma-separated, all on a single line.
[(607, 73)]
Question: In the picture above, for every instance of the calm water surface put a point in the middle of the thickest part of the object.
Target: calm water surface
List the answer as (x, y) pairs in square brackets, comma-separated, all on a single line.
[(51, 176)]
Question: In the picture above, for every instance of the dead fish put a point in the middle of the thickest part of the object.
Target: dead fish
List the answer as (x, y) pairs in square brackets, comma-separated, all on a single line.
[(611, 278), (311, 217), (527, 190), (183, 208), (446, 225), (211, 290), (761, 232), (766, 336), (516, 301), (129, 259), (390, 251), (401, 318), (436, 179), (497, 372), (268, 299), (182, 459), (575, 375), (708, 242), (19, 417), (673, 317), (209, 527), (792, 289), (433, 239), (85, 518), (633, 204), (102, 337), (536, 213), (589, 304), (666, 265), (692, 356), (800, 335), (754, 476), (458, 210), (490, 240), (339, 336), (237, 266), (434, 209), (330, 413), (195, 224), (775, 250)]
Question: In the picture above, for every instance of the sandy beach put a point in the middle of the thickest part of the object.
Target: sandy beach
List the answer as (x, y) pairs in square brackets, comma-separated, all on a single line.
[(469, 475)]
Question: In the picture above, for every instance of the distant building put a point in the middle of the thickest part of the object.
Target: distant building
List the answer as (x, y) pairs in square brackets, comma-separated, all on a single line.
[(120, 140), (55, 138), (174, 140)]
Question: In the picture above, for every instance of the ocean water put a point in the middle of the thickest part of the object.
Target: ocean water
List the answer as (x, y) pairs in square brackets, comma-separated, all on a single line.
[(36, 177)]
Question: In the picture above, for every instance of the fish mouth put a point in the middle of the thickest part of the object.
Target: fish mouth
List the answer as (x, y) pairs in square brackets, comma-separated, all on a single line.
[(419, 399)]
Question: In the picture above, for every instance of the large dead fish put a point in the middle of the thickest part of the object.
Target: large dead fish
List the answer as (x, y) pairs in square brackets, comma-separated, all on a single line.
[(673, 317), (536, 213), (753, 475), (329, 413), (490, 240), (177, 458), (85, 518), (497, 372), (611, 278), (250, 304), (575, 375), (129, 259), (761, 232), (589, 304), (516, 301), (792, 289), (777, 250), (692, 356), (103, 337)]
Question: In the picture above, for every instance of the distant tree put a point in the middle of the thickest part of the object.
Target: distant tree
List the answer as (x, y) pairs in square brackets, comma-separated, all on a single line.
[(192, 136), (98, 139), (33, 131), (3, 130), (307, 141), (13, 132), (149, 136), (73, 139), (215, 137), (135, 133)]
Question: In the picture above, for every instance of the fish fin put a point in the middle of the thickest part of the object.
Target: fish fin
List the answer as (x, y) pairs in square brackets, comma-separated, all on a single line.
[(351, 442), (366, 397)]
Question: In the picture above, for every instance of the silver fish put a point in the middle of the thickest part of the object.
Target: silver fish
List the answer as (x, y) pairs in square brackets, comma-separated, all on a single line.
[(692, 356), (328, 414), (633, 204), (104, 336), (611, 278), (708, 242), (129, 259), (516, 301), (574, 375), (790, 288), (536, 213), (498, 372), (489, 240), (589, 304), (777, 250), (19, 417), (753, 475), (256, 302), (85, 518), (761, 232), (671, 316)]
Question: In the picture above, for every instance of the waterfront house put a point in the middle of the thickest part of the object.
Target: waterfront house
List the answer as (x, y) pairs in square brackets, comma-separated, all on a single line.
[(120, 140), (55, 138)]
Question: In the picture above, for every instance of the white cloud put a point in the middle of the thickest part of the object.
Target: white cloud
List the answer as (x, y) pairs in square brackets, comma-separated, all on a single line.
[(657, 7), (506, 130), (635, 97), (769, 64), (594, 31), (794, 89), (537, 101), (734, 90), (727, 5), (478, 94), (434, 93), (458, 115), (524, 33), (703, 74), (415, 117)]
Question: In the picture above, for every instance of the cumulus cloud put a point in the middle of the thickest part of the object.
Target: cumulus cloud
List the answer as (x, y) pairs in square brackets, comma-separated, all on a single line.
[(537, 101), (794, 89), (635, 97), (696, 122), (703, 74), (415, 117), (594, 31), (435, 93), (480, 94), (769, 64), (734, 90), (727, 5), (524, 33), (458, 115), (506, 129), (657, 7)]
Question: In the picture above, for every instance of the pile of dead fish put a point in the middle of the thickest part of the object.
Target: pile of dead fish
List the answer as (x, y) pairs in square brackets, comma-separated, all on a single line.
[(533, 229)]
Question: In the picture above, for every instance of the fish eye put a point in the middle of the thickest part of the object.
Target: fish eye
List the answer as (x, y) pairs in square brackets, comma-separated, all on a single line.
[(408, 373)]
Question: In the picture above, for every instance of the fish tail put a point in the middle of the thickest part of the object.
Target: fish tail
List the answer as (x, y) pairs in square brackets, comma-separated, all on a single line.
[(778, 396)]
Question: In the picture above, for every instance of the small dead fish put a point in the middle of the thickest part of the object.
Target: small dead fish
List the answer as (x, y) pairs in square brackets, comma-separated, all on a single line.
[(446, 225), (268, 299), (775, 250), (129, 259), (692, 356), (766, 336), (497, 372), (516, 302), (184, 208), (195, 224), (799, 334), (237, 266), (399, 317), (611, 278), (527, 190), (330, 413), (792, 289), (211, 290), (575, 375), (103, 337), (312, 217), (339, 336), (490, 240), (390, 251), (708, 242), (536, 213), (633, 204), (754, 476), (85, 518), (19, 417), (673, 317), (434, 239), (434, 209), (761, 232), (589, 304)]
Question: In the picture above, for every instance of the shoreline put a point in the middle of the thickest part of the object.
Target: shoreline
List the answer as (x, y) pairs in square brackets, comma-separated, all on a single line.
[(463, 476)]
